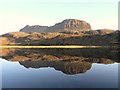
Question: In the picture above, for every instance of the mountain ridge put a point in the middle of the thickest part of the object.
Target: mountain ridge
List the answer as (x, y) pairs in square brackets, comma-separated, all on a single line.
[(67, 32), (65, 25)]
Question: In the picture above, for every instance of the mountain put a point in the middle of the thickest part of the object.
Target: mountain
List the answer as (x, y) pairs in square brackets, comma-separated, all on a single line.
[(65, 25), (67, 32)]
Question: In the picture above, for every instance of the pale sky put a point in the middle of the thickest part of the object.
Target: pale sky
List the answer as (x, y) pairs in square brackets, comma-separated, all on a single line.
[(15, 14)]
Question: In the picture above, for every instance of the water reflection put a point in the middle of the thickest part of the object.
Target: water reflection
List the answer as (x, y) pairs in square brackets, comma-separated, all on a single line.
[(69, 61)]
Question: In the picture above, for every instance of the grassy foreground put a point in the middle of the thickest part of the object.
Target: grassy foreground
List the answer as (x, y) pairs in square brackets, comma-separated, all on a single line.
[(72, 46)]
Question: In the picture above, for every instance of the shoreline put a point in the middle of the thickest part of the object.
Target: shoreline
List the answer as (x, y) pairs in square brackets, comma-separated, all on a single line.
[(68, 46)]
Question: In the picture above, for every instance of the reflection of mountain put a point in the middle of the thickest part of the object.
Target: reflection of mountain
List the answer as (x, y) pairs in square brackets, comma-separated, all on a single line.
[(67, 67), (69, 61)]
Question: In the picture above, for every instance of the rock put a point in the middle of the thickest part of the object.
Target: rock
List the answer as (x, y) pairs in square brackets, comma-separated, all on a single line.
[(65, 25), (71, 25)]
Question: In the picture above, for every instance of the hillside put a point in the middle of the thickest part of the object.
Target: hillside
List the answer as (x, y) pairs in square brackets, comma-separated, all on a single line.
[(56, 38)]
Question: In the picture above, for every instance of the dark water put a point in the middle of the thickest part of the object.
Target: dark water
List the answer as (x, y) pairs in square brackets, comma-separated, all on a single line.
[(59, 68)]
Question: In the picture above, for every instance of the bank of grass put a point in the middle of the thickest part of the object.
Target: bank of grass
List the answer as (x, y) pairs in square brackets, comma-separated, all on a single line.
[(70, 46)]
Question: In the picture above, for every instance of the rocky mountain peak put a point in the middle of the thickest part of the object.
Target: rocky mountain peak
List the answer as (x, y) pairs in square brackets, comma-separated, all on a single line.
[(71, 25), (65, 25), (75, 23)]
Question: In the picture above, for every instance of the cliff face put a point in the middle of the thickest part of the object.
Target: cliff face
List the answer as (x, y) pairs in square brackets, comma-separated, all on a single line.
[(65, 25), (71, 25)]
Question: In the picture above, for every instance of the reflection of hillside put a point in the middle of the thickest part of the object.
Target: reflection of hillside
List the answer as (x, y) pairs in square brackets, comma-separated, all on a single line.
[(69, 61), (58, 54)]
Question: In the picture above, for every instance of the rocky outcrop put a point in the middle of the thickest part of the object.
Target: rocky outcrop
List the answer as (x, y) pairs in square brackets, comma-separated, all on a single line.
[(65, 25), (71, 25)]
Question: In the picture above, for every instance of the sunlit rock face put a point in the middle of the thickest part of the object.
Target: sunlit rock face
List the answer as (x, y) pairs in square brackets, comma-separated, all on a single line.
[(67, 24)]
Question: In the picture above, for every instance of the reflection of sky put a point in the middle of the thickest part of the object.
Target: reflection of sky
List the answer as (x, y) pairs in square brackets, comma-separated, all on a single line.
[(100, 75)]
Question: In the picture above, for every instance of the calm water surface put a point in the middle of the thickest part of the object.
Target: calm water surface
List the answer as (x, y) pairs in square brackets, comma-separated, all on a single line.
[(59, 68)]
